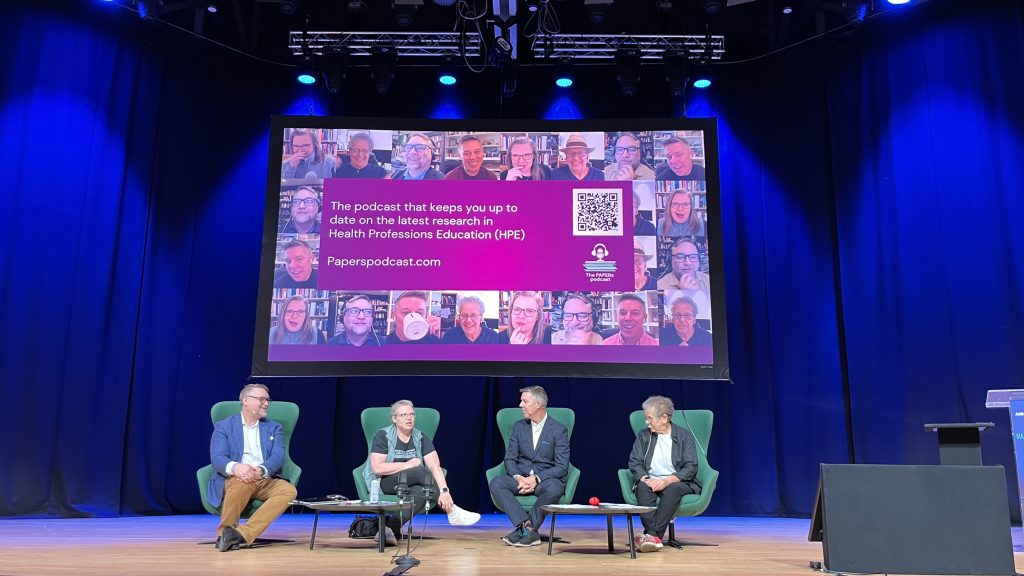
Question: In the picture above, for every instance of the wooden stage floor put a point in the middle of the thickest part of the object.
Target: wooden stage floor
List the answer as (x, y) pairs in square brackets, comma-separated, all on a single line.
[(166, 545)]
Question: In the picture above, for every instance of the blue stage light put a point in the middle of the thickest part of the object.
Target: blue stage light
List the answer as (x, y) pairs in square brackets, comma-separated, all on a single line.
[(702, 82), (563, 74), (306, 78), (448, 73), (899, 1)]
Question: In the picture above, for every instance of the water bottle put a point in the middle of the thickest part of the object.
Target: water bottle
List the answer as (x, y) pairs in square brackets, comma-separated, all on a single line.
[(375, 491)]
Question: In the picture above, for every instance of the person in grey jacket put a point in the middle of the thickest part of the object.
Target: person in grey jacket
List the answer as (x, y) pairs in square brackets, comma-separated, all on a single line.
[(664, 466)]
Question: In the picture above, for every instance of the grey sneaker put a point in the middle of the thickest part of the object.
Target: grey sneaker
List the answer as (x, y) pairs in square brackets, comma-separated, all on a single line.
[(530, 538), (514, 536), (389, 538)]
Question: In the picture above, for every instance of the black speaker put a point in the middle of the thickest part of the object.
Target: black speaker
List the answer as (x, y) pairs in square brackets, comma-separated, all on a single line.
[(913, 519)]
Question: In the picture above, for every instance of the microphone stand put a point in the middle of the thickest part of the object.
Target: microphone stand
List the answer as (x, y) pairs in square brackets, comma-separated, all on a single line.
[(407, 560)]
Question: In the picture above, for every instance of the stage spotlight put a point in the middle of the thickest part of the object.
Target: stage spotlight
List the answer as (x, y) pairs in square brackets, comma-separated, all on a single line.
[(148, 9), (701, 78), (448, 74), (499, 53), (787, 9), (212, 8), (334, 70), (898, 2), (597, 10), (712, 7), (304, 74), (405, 11), (509, 79), (627, 69), (383, 61), (287, 7), (675, 71), (855, 11), (563, 75)]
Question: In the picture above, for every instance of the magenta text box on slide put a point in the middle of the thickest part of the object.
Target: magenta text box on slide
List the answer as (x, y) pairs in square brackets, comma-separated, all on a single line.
[(520, 236)]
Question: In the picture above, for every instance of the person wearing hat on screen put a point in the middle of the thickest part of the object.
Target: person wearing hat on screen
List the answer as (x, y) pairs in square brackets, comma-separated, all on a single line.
[(577, 162), (642, 279), (641, 226)]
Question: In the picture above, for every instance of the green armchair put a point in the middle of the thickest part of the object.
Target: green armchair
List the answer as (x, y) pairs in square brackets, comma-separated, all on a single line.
[(284, 413), (700, 424), (373, 419), (506, 418)]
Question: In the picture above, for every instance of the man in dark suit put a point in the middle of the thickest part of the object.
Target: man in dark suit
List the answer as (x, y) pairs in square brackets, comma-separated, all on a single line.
[(536, 462), (247, 452)]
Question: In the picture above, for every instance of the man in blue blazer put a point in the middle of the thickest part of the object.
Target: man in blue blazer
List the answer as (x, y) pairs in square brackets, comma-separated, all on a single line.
[(536, 462), (247, 451)]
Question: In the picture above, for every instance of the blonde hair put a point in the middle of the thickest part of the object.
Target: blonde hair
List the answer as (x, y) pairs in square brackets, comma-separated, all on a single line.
[(537, 334)]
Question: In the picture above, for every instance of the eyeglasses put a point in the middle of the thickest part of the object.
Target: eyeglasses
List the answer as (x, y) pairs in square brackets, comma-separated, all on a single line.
[(686, 316), (260, 399), (304, 201), (528, 312), (416, 147), (302, 146), (526, 156), (352, 151), (652, 418), (356, 312), (575, 154), (406, 415), (471, 316), (685, 257), (680, 204), (627, 149), (294, 312), (579, 316)]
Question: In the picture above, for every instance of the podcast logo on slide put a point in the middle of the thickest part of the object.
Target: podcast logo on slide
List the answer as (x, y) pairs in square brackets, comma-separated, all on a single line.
[(599, 270)]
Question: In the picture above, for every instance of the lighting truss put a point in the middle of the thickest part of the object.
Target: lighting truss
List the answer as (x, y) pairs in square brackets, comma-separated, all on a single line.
[(604, 46), (408, 44)]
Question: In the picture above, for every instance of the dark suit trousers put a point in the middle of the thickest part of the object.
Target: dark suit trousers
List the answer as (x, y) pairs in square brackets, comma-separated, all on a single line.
[(503, 490), (667, 502)]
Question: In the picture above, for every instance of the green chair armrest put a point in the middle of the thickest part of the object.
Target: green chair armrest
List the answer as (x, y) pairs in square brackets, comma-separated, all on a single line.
[(626, 486)]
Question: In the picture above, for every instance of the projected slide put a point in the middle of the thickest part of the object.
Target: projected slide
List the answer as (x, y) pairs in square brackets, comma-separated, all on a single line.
[(526, 248)]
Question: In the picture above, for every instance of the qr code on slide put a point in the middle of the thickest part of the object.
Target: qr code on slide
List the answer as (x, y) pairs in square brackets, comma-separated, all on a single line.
[(597, 212)]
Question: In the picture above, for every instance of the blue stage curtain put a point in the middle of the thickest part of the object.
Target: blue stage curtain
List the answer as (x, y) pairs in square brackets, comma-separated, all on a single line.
[(928, 133), (863, 181)]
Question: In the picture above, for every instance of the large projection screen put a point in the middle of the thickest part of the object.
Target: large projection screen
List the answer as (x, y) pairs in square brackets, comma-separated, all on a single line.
[(492, 247)]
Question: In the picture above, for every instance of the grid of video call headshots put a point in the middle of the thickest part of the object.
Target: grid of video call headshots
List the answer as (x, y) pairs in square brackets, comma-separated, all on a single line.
[(671, 302)]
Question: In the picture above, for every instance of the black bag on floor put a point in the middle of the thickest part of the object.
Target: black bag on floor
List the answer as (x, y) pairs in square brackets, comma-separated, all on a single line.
[(363, 527)]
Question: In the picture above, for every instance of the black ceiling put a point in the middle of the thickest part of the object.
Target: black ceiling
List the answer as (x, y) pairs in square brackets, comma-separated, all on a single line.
[(260, 27)]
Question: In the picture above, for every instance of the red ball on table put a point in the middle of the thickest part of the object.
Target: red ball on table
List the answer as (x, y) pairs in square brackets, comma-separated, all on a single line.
[(594, 501)]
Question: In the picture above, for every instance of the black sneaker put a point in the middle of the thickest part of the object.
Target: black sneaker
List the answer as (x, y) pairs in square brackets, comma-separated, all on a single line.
[(514, 536), (530, 538), (395, 525)]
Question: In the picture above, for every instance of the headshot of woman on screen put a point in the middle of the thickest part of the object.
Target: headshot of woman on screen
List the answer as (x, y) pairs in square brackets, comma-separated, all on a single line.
[(293, 325), (526, 320)]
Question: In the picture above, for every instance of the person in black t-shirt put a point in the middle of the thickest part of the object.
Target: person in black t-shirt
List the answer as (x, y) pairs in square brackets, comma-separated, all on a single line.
[(401, 453)]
